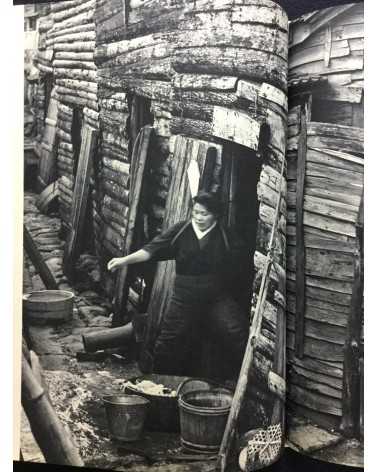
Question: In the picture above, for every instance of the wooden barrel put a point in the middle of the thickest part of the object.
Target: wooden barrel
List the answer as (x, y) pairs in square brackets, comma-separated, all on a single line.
[(48, 306)]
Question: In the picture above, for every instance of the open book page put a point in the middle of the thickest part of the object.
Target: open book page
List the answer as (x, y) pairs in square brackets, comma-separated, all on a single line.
[(154, 229), (324, 234)]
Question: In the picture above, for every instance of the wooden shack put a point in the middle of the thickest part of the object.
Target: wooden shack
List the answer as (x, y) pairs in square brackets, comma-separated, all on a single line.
[(210, 78), (324, 230), (166, 85)]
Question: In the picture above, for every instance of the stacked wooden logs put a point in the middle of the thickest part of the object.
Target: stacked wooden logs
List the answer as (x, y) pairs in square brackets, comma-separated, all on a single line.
[(65, 160), (72, 38), (115, 164), (43, 62), (39, 103), (45, 54)]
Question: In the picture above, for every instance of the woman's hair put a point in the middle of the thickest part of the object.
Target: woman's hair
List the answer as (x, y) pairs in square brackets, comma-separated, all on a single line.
[(210, 201)]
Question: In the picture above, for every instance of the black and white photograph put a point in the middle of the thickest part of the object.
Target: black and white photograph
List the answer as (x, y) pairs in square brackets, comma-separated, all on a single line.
[(192, 235)]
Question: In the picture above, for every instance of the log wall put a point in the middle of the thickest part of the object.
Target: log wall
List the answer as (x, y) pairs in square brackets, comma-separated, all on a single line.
[(325, 189), (66, 51)]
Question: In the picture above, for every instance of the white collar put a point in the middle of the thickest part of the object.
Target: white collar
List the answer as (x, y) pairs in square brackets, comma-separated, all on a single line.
[(199, 233)]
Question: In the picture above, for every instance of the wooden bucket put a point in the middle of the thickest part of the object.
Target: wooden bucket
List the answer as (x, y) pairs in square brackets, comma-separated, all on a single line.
[(48, 306), (203, 418)]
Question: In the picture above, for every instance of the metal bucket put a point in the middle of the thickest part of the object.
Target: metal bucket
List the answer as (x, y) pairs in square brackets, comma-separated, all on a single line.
[(126, 415), (203, 418)]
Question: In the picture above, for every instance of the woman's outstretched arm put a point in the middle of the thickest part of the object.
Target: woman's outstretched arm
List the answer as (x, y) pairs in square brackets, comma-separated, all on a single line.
[(133, 258)]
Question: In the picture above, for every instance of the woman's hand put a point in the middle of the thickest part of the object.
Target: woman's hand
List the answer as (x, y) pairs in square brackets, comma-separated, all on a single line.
[(134, 258), (116, 263)]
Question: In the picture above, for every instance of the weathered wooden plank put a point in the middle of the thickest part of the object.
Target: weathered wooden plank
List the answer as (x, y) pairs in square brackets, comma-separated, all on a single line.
[(63, 91), (321, 294), (302, 31), (328, 224), (334, 130), (73, 64), (80, 199), (317, 349), (326, 305), (324, 263), (328, 374), (76, 46), (335, 159), (306, 55), (340, 32), (236, 126), (70, 12), (336, 286), (38, 261), (62, 31), (322, 316), (204, 82), (300, 247), (353, 344), (269, 15), (352, 94), (315, 382), (74, 56), (316, 242), (79, 74), (338, 210), (322, 331), (60, 6), (47, 160), (332, 186), (337, 64), (334, 142), (260, 65), (250, 90), (80, 19), (255, 38), (148, 68), (315, 401)]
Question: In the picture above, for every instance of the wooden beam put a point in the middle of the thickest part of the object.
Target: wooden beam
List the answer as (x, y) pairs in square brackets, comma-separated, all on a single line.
[(350, 423), (300, 246), (55, 443), (38, 262), (80, 198)]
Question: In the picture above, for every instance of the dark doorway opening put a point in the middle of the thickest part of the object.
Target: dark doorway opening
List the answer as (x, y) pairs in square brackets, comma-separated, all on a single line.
[(141, 276), (87, 243), (241, 172), (237, 186), (48, 86)]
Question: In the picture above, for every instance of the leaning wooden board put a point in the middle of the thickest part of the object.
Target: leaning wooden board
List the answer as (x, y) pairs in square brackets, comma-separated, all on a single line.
[(80, 198), (138, 169), (47, 155)]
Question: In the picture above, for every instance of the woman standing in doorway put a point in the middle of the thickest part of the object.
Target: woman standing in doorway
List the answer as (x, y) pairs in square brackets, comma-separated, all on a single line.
[(207, 264)]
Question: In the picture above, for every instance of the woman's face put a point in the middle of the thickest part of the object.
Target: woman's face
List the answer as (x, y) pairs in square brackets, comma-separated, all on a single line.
[(202, 217)]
